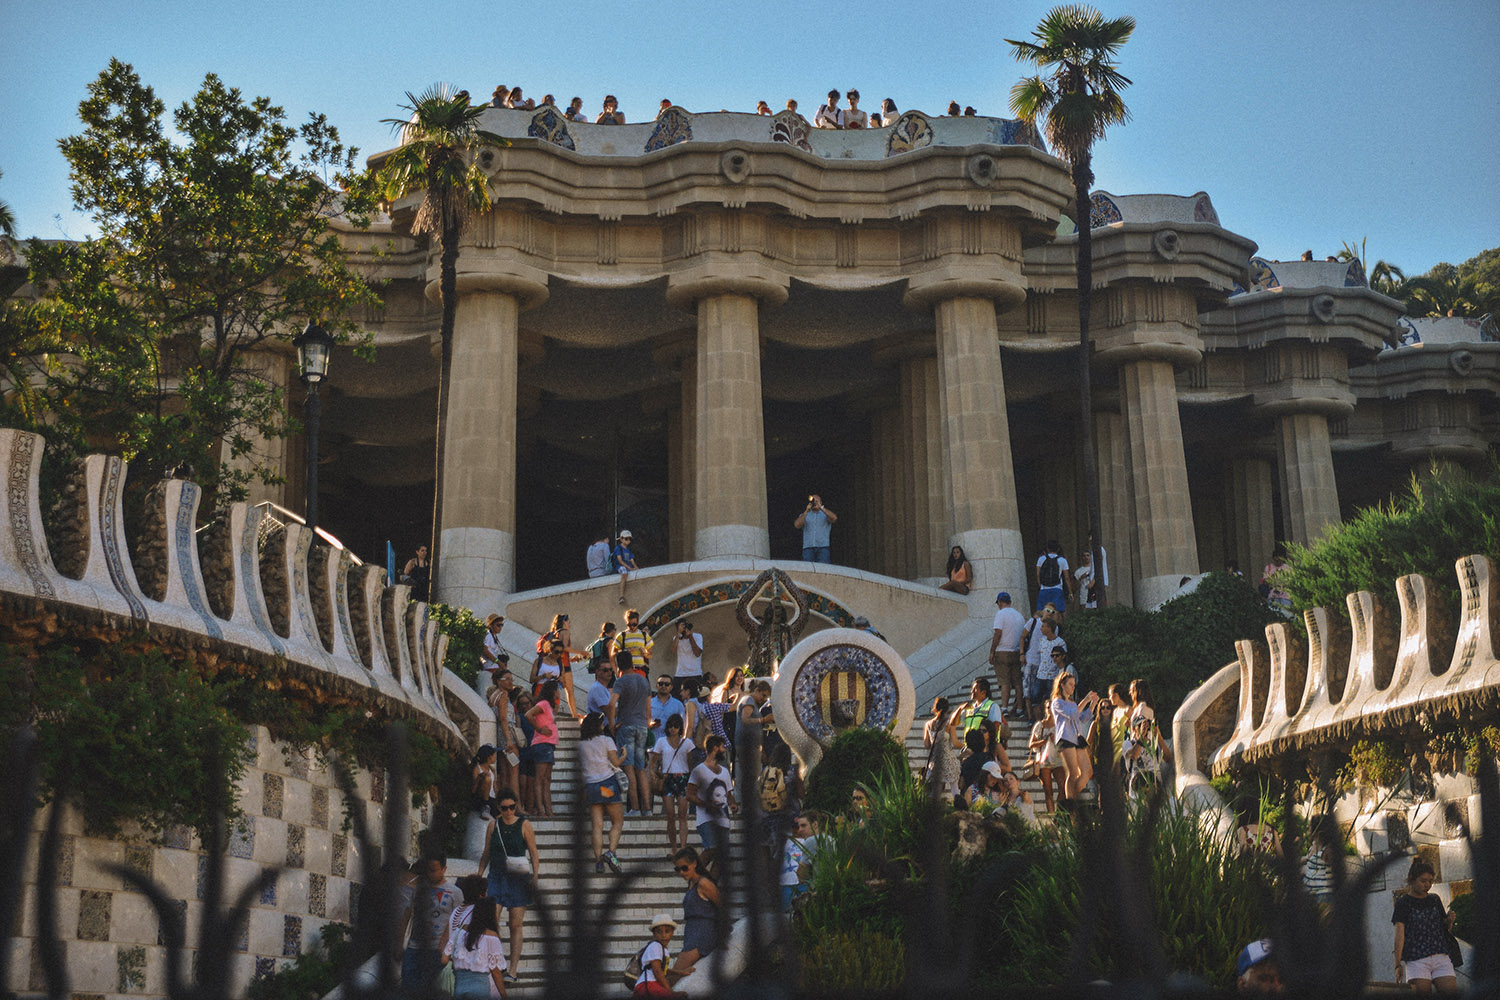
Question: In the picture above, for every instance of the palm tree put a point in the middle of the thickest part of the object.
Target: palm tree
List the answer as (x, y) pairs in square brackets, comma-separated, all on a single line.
[(7, 230), (438, 156), (1382, 276), (1074, 104)]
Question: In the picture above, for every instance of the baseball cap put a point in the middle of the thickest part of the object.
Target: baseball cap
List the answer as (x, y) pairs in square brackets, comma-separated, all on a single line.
[(1004, 595), (626, 534), (993, 767), (1252, 955)]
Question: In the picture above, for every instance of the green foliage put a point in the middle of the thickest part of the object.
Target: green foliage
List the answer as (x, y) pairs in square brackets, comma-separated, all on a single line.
[(1488, 736), (1175, 648), (313, 974), (1470, 289), (126, 736), (465, 632), (1376, 762), (1207, 903), (856, 756), (1079, 98), (857, 960), (1463, 907), (1426, 529), (215, 247)]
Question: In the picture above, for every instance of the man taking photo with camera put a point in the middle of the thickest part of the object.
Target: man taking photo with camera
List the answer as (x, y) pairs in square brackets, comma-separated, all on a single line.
[(688, 645), (816, 524)]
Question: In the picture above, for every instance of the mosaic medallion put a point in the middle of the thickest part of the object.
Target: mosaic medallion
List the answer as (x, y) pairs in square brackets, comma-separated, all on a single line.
[(673, 125), (792, 129), (1103, 211), (911, 131), (549, 125)]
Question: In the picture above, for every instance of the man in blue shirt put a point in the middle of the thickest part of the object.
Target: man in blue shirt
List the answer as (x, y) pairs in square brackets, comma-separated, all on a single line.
[(816, 524)]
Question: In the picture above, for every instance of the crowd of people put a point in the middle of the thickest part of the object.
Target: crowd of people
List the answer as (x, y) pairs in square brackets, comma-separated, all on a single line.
[(829, 115)]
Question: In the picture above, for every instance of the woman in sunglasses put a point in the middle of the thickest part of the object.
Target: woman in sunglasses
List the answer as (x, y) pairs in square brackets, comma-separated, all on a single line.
[(511, 843), (700, 907)]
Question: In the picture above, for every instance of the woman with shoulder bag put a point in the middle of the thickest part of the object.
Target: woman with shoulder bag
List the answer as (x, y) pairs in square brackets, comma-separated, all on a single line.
[(510, 843), (604, 791)]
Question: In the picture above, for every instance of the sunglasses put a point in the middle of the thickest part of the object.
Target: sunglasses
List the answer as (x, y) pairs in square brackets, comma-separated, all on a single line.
[(663, 684), (683, 868), (508, 808)]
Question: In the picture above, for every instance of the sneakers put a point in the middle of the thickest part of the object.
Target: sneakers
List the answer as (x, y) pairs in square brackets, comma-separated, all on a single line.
[(599, 867), (510, 979), (613, 860)]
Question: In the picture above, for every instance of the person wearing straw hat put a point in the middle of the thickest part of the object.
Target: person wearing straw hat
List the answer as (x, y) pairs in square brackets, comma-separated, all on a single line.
[(493, 654), (652, 981)]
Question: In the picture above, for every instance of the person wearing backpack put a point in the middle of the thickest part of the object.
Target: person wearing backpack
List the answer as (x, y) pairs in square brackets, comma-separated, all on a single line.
[(1052, 578)]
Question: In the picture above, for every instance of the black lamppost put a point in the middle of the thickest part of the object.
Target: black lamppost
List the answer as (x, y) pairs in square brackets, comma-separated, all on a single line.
[(314, 345)]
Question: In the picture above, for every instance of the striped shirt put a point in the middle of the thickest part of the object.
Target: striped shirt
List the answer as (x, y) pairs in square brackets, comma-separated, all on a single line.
[(638, 643)]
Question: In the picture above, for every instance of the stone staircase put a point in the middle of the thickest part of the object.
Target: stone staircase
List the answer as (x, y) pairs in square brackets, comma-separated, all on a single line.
[(643, 852)]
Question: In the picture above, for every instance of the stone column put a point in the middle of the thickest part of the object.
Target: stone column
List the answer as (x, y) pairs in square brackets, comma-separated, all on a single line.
[(682, 485), (976, 442), (928, 502), (1304, 457), (891, 475), (1116, 504), (477, 546), (1249, 509), (729, 445), (1166, 545), (676, 538)]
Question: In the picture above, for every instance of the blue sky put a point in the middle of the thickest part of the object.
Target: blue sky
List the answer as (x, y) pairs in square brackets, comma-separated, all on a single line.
[(1308, 123)]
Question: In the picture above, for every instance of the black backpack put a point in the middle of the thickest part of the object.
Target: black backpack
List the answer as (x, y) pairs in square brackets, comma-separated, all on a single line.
[(1049, 574)]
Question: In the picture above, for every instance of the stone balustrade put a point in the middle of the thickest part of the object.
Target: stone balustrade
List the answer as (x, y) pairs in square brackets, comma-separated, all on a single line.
[(1332, 680), (273, 602)]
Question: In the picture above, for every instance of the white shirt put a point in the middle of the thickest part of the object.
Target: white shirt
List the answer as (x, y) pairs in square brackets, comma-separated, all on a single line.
[(848, 117), (674, 761), (1046, 670), (1009, 622), (1033, 649), (654, 952), (593, 758), (703, 776), (1062, 569), (826, 117), (488, 953), (689, 664)]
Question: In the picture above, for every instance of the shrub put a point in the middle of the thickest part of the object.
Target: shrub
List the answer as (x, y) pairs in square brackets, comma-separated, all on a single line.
[(1206, 901), (465, 634), (314, 973), (1425, 529), (1175, 648), (856, 756), (1376, 762), (856, 960)]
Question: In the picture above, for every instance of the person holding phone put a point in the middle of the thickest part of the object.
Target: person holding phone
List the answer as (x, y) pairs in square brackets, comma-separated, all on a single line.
[(816, 524), (1072, 720)]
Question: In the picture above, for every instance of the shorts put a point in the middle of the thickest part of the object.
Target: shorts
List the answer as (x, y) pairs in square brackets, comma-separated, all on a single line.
[(1052, 595), (604, 793), (674, 785), (1070, 745), (1007, 664), (623, 570), (1039, 688), (1432, 967), (632, 742), (512, 891), (543, 753), (713, 835)]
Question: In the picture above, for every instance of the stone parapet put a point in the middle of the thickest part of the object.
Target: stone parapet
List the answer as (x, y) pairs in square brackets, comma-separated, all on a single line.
[(282, 608), (1330, 681)]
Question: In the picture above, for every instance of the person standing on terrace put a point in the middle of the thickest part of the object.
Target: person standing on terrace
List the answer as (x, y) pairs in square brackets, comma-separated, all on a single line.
[(497, 100), (852, 117), (816, 522), (575, 111), (762, 108), (828, 114), (611, 114)]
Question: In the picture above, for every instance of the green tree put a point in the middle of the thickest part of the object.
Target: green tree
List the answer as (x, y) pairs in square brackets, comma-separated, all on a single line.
[(7, 227), (1382, 276), (1470, 289), (438, 156), (214, 241), (1075, 103)]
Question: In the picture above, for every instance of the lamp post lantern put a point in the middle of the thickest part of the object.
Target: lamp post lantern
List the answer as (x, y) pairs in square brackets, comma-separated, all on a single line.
[(314, 346)]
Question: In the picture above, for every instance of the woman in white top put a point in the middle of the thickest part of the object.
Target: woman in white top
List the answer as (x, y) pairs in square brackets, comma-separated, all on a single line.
[(478, 955), (652, 981), (1072, 720), (599, 761), (671, 761)]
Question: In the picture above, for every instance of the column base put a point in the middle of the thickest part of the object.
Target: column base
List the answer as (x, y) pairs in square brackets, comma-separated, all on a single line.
[(477, 568), (999, 560), (1152, 591), (732, 541)]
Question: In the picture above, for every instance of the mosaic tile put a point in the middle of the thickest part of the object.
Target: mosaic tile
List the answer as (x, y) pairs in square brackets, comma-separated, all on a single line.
[(339, 864), (320, 808), (721, 593), (843, 673), (178, 837), (317, 895), (268, 894), (252, 739), (550, 126), (265, 967), (296, 846), (673, 125), (273, 791), (297, 763), (179, 914), (93, 915), (66, 848), (377, 784), (242, 839), (202, 881), (242, 937), (291, 936), (141, 859), (131, 964)]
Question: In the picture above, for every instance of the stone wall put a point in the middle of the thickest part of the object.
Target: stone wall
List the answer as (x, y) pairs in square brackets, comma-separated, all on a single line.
[(294, 820)]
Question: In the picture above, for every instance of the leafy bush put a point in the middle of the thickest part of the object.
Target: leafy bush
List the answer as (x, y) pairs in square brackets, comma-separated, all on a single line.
[(1174, 649), (1426, 529), (1207, 903), (856, 960), (1376, 762), (465, 634), (126, 736), (855, 757), (314, 973)]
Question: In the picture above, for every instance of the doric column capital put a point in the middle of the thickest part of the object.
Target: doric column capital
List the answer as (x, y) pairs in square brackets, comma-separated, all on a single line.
[(923, 291), (727, 277), (527, 284)]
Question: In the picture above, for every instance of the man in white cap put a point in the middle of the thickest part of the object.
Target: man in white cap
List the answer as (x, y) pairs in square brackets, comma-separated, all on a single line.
[(624, 560)]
